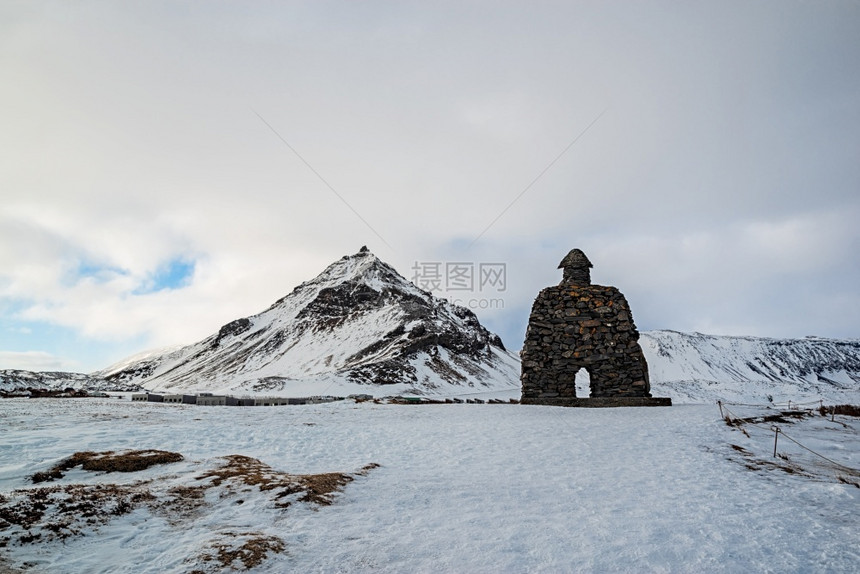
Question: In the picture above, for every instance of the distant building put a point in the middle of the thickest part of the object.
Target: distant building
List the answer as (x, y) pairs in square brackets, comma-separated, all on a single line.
[(271, 401), (240, 401), (210, 400), (322, 399)]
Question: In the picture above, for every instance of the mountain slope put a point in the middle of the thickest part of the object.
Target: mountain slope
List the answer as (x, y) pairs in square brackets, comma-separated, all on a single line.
[(692, 367), (361, 327), (11, 379), (358, 323)]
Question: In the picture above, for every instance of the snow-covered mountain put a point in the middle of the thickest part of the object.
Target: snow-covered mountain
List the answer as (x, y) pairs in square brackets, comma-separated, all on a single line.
[(692, 367), (360, 327), (11, 379), (356, 327)]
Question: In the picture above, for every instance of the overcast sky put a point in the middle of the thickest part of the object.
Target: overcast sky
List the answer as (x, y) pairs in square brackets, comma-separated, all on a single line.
[(166, 168)]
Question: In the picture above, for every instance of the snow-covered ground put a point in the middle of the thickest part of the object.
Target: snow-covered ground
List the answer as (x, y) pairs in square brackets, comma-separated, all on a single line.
[(460, 488)]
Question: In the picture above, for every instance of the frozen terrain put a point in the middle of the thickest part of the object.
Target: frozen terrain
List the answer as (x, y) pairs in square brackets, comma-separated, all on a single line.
[(459, 488)]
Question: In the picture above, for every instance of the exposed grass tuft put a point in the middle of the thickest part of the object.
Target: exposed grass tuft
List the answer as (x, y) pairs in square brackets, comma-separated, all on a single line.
[(846, 410), (45, 514), (63, 511), (315, 488), (243, 550), (129, 461), (844, 480)]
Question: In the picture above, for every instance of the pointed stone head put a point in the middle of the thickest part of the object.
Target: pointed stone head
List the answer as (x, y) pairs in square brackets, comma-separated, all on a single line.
[(576, 268)]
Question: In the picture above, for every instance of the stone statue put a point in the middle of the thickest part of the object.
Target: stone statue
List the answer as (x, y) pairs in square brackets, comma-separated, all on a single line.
[(576, 325), (576, 268)]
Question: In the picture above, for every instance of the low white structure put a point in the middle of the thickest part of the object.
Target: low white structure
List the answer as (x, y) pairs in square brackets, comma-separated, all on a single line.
[(210, 400), (321, 399), (271, 401)]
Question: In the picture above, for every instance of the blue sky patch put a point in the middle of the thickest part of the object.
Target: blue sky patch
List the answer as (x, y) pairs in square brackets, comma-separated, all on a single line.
[(74, 351), (90, 270), (174, 274)]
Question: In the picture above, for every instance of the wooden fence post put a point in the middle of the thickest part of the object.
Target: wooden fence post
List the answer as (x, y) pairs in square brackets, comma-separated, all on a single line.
[(775, 438)]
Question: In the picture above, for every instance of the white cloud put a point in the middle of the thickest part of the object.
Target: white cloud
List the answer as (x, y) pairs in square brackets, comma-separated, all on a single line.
[(33, 361), (718, 190)]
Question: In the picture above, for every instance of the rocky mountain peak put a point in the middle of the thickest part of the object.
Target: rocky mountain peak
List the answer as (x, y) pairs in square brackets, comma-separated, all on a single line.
[(360, 322), (361, 272)]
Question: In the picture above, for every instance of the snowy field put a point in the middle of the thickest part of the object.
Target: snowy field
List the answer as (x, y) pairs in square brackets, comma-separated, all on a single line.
[(460, 488)]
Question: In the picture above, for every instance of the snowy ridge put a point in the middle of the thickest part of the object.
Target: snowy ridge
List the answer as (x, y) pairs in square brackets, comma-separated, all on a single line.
[(360, 327), (359, 324), (11, 379), (140, 358), (692, 367)]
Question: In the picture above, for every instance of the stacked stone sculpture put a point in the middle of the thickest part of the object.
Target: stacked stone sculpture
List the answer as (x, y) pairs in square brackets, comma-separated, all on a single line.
[(576, 325)]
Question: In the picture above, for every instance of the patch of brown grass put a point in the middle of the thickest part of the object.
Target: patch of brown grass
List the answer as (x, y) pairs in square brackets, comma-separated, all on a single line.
[(63, 511), (365, 470), (785, 467), (244, 469), (243, 550), (783, 417), (315, 488), (847, 410), (109, 461), (738, 424), (783, 462), (319, 488), (844, 480), (180, 504), (43, 514)]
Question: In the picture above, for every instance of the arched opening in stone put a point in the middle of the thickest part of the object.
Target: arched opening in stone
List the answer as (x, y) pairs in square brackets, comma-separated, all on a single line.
[(583, 383)]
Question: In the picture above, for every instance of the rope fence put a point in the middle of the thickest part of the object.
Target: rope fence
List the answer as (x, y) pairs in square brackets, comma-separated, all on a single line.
[(818, 454), (788, 404), (734, 420)]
